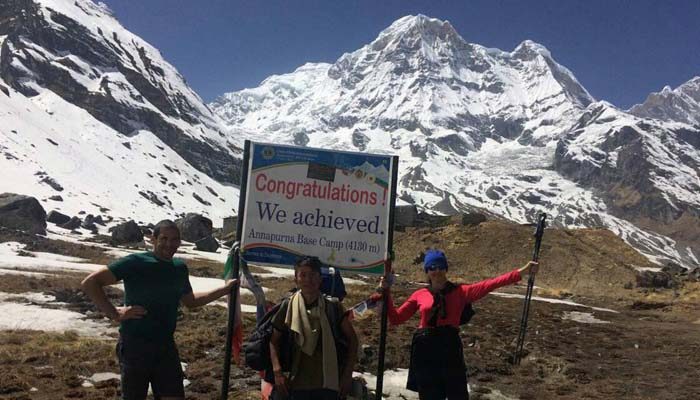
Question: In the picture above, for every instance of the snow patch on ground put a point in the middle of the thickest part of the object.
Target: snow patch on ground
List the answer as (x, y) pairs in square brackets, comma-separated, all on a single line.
[(9, 259), (99, 377), (8, 271), (582, 317), (16, 316), (394, 384), (554, 301)]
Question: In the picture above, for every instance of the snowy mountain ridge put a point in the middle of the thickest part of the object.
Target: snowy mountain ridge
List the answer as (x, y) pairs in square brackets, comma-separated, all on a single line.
[(96, 112), (681, 104), (478, 128)]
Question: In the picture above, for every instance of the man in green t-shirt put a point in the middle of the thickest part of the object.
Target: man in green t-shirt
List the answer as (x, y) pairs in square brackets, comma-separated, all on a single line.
[(154, 285)]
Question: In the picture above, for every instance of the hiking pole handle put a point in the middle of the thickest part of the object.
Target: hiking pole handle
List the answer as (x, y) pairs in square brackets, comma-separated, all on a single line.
[(232, 299), (539, 232)]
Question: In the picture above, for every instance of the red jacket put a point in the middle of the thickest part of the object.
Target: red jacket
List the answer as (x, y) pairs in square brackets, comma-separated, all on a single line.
[(455, 301)]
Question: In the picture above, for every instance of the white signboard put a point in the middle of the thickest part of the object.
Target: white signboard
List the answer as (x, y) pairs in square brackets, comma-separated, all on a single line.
[(304, 201)]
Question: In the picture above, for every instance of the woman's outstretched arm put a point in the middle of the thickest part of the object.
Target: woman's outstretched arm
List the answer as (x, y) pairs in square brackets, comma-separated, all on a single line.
[(480, 289)]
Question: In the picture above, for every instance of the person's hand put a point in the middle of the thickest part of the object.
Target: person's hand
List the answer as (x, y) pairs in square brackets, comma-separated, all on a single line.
[(129, 312), (384, 284), (230, 283), (530, 268), (345, 385), (281, 383)]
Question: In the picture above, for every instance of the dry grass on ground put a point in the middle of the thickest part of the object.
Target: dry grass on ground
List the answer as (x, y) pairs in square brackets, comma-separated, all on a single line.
[(650, 350)]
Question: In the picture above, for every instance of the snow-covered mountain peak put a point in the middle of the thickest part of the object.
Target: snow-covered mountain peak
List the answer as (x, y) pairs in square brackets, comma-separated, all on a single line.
[(528, 49), (418, 76), (681, 104), (420, 27)]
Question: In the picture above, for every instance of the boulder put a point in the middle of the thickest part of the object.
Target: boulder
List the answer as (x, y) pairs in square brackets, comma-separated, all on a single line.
[(91, 227), (127, 232), (89, 223), (207, 244), (56, 198), (22, 213), (57, 218), (694, 275), (73, 224), (194, 227)]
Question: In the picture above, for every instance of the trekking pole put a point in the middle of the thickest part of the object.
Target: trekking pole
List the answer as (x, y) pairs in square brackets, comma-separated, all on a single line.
[(232, 299), (539, 232)]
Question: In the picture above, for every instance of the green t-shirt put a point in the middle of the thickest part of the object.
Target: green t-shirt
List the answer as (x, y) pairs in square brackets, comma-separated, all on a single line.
[(155, 284)]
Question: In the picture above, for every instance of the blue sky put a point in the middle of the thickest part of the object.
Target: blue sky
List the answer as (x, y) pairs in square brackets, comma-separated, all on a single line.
[(619, 50)]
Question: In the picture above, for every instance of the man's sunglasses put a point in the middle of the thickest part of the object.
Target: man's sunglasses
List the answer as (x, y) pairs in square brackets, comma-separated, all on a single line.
[(432, 268)]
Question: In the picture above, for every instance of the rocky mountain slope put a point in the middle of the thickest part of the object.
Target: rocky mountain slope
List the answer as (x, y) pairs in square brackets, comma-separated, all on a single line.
[(92, 113)]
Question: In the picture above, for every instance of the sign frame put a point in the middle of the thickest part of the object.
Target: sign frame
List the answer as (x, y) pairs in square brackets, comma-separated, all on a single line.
[(304, 201)]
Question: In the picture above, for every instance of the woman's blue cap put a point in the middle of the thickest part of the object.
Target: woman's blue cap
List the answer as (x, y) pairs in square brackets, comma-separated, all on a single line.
[(435, 258)]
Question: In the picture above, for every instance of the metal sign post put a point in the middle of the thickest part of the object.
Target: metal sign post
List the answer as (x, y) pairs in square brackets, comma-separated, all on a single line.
[(236, 268), (387, 272)]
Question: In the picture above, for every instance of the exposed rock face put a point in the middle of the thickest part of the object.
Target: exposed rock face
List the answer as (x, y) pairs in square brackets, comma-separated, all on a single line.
[(65, 44), (127, 232), (194, 227), (646, 171), (22, 213)]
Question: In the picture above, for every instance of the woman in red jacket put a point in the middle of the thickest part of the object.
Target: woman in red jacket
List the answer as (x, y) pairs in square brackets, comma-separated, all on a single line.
[(437, 369)]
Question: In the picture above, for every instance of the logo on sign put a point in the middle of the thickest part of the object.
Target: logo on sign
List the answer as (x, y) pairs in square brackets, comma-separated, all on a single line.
[(268, 153)]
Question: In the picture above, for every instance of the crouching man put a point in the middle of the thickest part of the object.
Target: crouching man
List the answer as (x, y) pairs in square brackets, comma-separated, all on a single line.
[(154, 285), (322, 341)]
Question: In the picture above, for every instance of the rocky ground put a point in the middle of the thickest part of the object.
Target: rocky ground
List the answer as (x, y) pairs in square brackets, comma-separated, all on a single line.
[(648, 349)]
